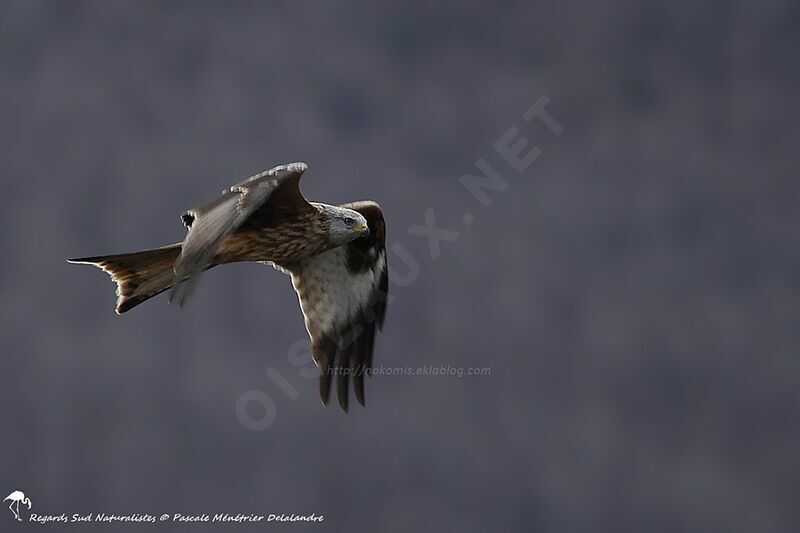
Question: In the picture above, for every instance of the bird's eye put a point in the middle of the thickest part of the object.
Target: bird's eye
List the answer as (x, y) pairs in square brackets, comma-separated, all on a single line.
[(349, 221)]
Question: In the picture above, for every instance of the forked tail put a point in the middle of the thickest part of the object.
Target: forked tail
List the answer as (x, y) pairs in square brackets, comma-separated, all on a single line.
[(140, 275)]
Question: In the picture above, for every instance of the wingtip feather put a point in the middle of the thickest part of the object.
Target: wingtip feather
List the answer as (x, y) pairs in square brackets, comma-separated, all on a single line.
[(358, 388)]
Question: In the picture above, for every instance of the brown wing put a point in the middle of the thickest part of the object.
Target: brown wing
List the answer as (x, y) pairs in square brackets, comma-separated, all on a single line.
[(257, 200), (343, 294)]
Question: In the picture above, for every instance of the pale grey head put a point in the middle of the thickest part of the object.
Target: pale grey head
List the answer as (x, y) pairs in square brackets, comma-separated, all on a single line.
[(345, 225)]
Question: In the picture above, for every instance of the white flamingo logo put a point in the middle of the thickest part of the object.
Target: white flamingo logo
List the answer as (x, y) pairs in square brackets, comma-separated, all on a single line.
[(16, 497)]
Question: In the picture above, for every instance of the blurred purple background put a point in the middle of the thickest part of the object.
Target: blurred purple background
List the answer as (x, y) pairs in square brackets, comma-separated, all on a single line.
[(636, 291)]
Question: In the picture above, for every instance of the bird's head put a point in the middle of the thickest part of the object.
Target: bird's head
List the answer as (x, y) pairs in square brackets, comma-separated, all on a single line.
[(345, 225)]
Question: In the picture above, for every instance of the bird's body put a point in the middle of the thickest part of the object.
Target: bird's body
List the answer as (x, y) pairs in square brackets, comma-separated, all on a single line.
[(15, 496), (335, 255), (281, 241)]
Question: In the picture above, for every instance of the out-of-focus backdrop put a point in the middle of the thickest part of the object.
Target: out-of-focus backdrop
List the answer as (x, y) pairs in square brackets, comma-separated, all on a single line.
[(635, 291)]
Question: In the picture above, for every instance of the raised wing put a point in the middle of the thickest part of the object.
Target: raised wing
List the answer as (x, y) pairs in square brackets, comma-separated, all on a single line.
[(256, 200), (343, 294)]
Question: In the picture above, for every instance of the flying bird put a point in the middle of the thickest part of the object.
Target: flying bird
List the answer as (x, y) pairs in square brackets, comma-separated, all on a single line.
[(335, 255)]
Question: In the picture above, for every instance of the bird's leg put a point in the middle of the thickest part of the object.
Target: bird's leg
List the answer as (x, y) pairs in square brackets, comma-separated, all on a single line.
[(11, 508)]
